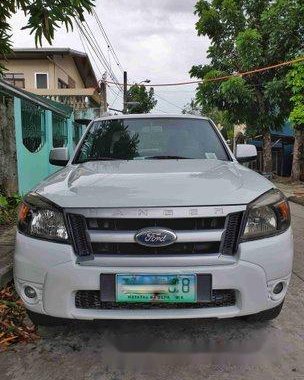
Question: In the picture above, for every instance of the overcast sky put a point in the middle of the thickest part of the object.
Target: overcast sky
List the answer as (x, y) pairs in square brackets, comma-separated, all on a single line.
[(154, 39)]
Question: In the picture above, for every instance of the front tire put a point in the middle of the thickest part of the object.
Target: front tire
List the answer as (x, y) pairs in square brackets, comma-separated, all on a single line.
[(44, 320), (264, 316)]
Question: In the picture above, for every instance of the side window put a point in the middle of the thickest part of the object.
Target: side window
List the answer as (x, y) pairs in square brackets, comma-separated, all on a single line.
[(42, 80)]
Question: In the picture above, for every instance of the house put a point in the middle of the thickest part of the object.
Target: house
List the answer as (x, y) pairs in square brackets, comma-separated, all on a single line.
[(60, 74)]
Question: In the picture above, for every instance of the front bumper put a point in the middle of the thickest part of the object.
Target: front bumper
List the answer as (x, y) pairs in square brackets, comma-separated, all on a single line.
[(52, 270)]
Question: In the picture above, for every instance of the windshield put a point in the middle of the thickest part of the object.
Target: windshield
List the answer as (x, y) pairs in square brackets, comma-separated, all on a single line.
[(155, 138)]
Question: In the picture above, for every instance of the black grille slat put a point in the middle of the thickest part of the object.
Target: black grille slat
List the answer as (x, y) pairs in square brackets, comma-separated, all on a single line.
[(232, 233), (175, 224), (81, 242), (90, 299), (136, 249)]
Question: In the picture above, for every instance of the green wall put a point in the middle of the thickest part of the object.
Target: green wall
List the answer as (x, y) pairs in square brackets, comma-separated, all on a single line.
[(33, 158)]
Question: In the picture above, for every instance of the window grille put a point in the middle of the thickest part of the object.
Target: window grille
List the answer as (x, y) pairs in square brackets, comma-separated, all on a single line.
[(77, 132), (60, 131), (33, 126)]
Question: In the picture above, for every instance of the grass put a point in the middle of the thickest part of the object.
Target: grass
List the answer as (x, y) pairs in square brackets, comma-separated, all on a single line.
[(9, 209)]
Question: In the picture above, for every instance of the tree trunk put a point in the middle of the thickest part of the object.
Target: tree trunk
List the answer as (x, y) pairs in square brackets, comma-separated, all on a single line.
[(8, 155), (297, 149), (267, 153)]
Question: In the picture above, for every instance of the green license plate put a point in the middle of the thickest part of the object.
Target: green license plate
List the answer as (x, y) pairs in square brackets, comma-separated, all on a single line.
[(156, 288)]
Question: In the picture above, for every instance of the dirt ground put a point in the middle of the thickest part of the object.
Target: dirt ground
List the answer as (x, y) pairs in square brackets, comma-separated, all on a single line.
[(182, 349)]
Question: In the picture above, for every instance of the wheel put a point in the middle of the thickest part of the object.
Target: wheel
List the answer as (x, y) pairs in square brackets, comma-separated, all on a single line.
[(44, 320), (264, 316)]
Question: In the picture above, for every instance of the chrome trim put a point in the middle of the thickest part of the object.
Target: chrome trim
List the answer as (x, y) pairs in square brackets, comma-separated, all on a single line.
[(157, 212), (129, 236), (161, 261), (158, 233)]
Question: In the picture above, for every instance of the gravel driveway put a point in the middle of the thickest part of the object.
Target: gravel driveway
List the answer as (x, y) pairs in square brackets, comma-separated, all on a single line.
[(187, 349)]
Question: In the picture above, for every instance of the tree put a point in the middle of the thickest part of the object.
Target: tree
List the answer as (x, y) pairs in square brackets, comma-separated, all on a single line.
[(246, 34), (295, 79), (45, 17), (219, 117), (139, 93)]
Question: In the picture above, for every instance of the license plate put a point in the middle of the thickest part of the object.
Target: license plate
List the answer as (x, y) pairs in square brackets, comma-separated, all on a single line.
[(156, 288)]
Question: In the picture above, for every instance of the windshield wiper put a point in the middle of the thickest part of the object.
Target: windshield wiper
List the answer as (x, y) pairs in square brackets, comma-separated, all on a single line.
[(97, 159), (167, 158)]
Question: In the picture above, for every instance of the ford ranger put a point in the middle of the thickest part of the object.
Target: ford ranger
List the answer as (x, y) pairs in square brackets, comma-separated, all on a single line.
[(153, 217)]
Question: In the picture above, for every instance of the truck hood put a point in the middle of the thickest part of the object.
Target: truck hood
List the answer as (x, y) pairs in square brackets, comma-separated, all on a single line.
[(152, 183)]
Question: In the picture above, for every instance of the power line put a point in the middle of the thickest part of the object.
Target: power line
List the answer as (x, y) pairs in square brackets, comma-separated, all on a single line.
[(89, 36), (89, 53), (107, 65), (110, 46), (239, 74), (167, 101)]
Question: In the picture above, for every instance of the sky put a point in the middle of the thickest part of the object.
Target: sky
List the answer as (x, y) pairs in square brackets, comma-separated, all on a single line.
[(154, 39)]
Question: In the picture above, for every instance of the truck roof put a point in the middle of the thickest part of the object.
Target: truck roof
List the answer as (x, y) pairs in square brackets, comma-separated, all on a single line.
[(150, 116)]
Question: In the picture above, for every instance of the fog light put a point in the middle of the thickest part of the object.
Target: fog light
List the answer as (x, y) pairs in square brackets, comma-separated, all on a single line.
[(30, 292), (278, 288)]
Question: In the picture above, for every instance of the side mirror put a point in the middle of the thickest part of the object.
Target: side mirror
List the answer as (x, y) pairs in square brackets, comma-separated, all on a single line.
[(246, 153), (59, 156)]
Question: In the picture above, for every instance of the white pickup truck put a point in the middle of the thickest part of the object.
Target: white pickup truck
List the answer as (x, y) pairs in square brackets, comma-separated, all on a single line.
[(153, 218)]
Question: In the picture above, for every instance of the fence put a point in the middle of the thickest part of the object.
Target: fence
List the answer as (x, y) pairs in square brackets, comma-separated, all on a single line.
[(30, 126), (38, 130)]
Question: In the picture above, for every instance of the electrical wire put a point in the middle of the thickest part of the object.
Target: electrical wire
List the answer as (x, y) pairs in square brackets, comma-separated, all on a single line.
[(89, 37), (89, 54), (167, 101), (240, 74), (104, 59), (105, 36)]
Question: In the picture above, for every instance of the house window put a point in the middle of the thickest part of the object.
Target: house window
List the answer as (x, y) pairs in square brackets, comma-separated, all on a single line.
[(16, 79), (42, 80), (62, 84)]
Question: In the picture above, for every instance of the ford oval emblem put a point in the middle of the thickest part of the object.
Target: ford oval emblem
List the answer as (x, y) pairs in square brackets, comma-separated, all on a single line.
[(155, 237)]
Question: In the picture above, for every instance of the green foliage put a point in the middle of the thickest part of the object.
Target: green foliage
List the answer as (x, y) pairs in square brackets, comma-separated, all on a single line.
[(8, 208), (244, 35), (249, 48), (295, 79), (144, 97), (45, 17)]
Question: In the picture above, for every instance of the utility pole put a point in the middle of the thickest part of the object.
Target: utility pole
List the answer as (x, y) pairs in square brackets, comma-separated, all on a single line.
[(125, 94), (103, 94)]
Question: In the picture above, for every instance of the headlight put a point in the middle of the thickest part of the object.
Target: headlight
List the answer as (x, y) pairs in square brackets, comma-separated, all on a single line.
[(41, 219), (268, 215)]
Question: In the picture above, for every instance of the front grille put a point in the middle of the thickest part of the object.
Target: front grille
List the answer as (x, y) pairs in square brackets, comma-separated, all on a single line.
[(177, 224), (232, 233), (78, 230), (81, 226), (136, 249), (90, 299)]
